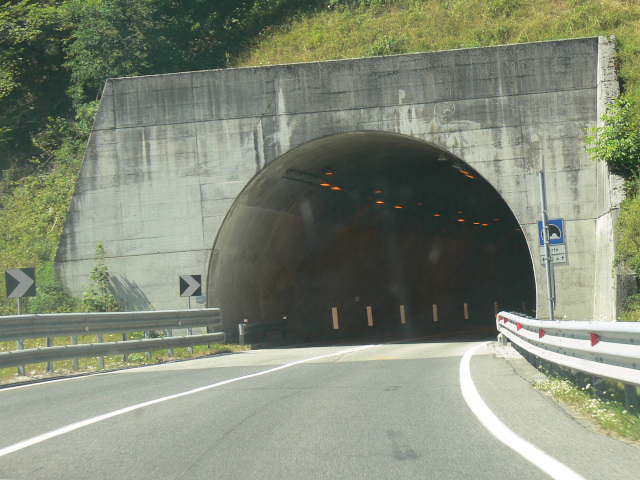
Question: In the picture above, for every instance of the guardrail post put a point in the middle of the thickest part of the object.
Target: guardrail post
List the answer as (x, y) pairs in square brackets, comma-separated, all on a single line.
[(631, 397), (241, 333), (170, 334), (190, 332), (21, 367), (125, 356), (49, 364), (74, 361), (147, 336), (100, 359)]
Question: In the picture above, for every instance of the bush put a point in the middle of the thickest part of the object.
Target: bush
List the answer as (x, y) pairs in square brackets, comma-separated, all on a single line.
[(618, 141), (98, 297)]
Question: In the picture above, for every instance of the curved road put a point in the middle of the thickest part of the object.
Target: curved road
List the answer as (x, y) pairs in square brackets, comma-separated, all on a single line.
[(360, 412)]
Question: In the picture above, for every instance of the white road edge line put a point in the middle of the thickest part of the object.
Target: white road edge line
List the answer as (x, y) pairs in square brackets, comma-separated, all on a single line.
[(90, 421), (533, 454)]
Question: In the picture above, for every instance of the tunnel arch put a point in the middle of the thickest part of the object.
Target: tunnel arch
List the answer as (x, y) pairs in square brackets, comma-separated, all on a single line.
[(368, 219)]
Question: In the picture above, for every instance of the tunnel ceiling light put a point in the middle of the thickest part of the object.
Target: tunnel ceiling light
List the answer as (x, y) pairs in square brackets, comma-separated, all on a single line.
[(379, 202), (459, 211), (442, 158), (420, 204), (470, 176), (398, 206), (485, 224), (335, 188), (437, 215), (378, 191), (325, 184), (464, 171), (496, 219), (461, 219), (476, 223)]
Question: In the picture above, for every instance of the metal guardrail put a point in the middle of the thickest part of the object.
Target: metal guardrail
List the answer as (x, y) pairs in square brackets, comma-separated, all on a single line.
[(609, 350), (19, 327), (245, 329)]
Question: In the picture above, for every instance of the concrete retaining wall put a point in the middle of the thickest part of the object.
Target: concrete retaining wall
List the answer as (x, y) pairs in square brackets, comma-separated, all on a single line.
[(169, 154)]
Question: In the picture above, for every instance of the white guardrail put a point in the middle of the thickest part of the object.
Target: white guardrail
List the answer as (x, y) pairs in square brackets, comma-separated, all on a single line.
[(20, 327), (609, 350)]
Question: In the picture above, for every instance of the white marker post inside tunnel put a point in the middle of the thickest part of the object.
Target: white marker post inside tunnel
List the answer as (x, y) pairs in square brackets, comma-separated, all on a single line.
[(369, 316), (466, 311), (435, 312), (403, 319), (334, 313), (495, 307)]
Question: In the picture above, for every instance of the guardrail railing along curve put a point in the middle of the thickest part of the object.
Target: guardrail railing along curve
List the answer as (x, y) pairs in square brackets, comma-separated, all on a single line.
[(609, 350)]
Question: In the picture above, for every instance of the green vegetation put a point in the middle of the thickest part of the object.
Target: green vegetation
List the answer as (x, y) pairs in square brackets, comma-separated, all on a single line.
[(55, 56), (98, 297), (617, 142), (606, 408)]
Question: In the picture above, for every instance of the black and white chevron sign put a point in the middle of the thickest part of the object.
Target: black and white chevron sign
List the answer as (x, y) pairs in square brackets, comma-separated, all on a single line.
[(190, 285), (21, 282)]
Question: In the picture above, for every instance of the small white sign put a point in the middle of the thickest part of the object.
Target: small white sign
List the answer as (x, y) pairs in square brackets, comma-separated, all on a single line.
[(558, 253)]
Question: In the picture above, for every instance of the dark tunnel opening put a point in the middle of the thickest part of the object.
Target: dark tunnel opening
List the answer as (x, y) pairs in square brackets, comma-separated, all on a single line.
[(376, 227)]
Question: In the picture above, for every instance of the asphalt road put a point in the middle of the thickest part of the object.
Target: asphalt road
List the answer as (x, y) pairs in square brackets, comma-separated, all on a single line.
[(368, 412)]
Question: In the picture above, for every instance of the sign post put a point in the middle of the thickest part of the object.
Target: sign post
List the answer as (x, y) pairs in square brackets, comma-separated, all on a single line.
[(548, 259), (190, 286), (21, 282)]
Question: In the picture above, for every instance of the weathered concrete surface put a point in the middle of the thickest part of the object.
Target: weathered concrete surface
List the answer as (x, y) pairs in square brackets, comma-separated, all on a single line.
[(169, 154)]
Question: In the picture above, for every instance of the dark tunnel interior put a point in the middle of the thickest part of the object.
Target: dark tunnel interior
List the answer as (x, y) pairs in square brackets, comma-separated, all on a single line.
[(368, 219)]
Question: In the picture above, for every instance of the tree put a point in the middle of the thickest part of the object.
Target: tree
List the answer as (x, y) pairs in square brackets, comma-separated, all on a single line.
[(113, 38), (98, 297), (32, 78)]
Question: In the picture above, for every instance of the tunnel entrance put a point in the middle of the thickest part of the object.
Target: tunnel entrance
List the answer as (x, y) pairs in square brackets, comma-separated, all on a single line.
[(368, 219)]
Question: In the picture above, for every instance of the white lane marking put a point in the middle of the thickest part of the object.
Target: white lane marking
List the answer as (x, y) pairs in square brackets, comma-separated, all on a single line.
[(90, 421), (533, 454)]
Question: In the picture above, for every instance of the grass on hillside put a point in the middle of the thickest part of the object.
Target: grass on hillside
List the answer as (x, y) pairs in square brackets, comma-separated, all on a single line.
[(403, 26)]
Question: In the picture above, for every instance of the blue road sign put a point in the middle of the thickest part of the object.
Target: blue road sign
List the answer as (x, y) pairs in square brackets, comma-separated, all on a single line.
[(556, 231)]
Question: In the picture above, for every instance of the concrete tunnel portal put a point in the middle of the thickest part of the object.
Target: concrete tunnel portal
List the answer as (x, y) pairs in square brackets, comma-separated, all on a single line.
[(368, 219)]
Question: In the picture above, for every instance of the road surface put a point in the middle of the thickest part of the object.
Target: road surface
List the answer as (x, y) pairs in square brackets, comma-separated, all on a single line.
[(383, 411)]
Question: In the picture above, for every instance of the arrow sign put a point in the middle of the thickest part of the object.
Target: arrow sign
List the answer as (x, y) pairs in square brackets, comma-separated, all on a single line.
[(21, 282), (190, 285)]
